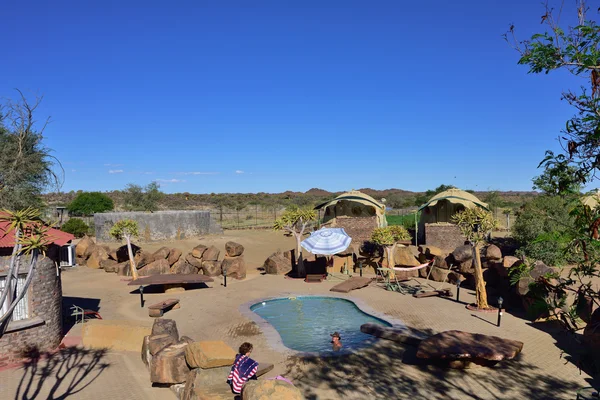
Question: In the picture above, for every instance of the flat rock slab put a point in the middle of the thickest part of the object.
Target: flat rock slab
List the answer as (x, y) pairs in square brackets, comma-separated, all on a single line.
[(170, 279), (462, 349), (209, 354), (400, 335), (351, 284), (119, 335)]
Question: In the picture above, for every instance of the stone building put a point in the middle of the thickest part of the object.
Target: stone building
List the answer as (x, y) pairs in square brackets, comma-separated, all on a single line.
[(36, 323)]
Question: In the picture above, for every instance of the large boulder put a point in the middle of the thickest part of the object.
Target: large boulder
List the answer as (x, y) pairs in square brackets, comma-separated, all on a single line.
[(168, 366), (211, 254), (163, 253), (438, 274), (211, 268), (277, 264), (441, 262), (509, 261), (82, 246), (96, 257), (235, 267), (209, 354), (143, 258), (158, 342), (407, 275), (122, 254), (270, 389), (157, 267), (200, 381), (457, 349), (174, 256), (234, 249), (463, 253), (198, 251), (404, 257), (184, 268), (190, 259), (165, 326), (493, 252)]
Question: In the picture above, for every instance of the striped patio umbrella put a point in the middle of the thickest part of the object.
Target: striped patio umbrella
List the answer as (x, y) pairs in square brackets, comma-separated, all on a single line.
[(327, 241)]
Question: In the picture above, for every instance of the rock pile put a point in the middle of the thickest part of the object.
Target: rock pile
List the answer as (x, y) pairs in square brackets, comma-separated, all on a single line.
[(193, 370), (201, 260)]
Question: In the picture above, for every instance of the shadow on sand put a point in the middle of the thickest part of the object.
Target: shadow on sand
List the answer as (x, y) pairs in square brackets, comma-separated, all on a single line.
[(59, 375), (390, 370)]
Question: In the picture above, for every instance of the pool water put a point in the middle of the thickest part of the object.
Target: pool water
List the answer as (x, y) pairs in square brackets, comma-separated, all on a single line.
[(305, 323)]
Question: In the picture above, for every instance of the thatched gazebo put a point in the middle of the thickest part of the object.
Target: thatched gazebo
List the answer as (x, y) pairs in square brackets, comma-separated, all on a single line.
[(435, 226)]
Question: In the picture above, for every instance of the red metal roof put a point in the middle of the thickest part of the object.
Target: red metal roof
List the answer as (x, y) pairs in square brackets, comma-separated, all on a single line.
[(8, 240)]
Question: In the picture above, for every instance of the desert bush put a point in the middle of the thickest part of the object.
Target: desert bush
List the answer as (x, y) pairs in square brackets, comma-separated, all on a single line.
[(75, 226), (544, 228)]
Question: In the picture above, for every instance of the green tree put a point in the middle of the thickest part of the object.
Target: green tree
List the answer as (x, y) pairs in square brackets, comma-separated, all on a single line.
[(387, 237), (295, 220), (126, 229), (424, 198), (89, 203), (573, 49), (557, 179), (475, 224), (137, 198), (76, 226), (31, 240), (27, 167)]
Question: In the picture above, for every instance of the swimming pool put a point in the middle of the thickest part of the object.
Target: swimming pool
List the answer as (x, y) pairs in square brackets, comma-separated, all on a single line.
[(306, 322)]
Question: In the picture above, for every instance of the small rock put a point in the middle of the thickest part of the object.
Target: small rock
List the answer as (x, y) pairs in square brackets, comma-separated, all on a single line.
[(234, 249), (110, 264), (143, 258), (96, 257), (432, 251), (123, 269), (492, 252), (184, 268), (403, 257), (509, 261)]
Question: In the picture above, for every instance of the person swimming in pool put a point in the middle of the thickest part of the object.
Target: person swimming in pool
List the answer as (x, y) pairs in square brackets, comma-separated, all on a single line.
[(336, 341)]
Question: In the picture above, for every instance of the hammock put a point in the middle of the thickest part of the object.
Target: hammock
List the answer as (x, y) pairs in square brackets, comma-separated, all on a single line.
[(418, 267)]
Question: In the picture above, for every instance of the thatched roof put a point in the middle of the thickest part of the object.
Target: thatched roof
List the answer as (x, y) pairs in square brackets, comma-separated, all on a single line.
[(358, 197), (456, 196)]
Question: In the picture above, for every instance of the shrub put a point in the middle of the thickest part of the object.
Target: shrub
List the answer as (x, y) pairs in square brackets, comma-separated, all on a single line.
[(75, 226), (89, 203)]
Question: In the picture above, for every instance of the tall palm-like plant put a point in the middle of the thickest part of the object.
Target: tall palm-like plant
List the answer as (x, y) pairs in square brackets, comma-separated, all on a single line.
[(31, 239)]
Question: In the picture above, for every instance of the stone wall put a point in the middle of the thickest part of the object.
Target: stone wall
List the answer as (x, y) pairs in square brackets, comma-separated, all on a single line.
[(359, 229), (160, 225), (443, 235), (43, 329)]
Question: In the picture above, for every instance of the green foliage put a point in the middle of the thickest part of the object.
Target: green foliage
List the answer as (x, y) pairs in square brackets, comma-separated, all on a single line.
[(295, 219), (31, 232), (557, 179), (137, 198), (89, 203), (389, 235), (494, 200), (125, 228), (544, 228), (424, 198), (76, 226), (27, 167), (475, 223), (407, 221)]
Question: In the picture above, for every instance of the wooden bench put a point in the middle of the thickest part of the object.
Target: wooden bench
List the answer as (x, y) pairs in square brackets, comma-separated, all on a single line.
[(158, 309)]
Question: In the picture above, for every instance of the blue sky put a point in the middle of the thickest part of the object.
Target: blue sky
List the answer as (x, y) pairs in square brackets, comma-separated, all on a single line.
[(249, 96)]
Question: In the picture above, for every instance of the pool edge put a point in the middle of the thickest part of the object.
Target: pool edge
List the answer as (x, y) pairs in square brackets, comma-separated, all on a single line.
[(273, 337)]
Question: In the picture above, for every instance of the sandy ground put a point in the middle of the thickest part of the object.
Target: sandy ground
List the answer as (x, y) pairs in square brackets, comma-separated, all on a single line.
[(388, 370)]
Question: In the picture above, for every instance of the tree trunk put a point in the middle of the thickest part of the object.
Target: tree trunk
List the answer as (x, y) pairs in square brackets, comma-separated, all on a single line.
[(134, 273), (391, 262), (480, 291), (300, 268)]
